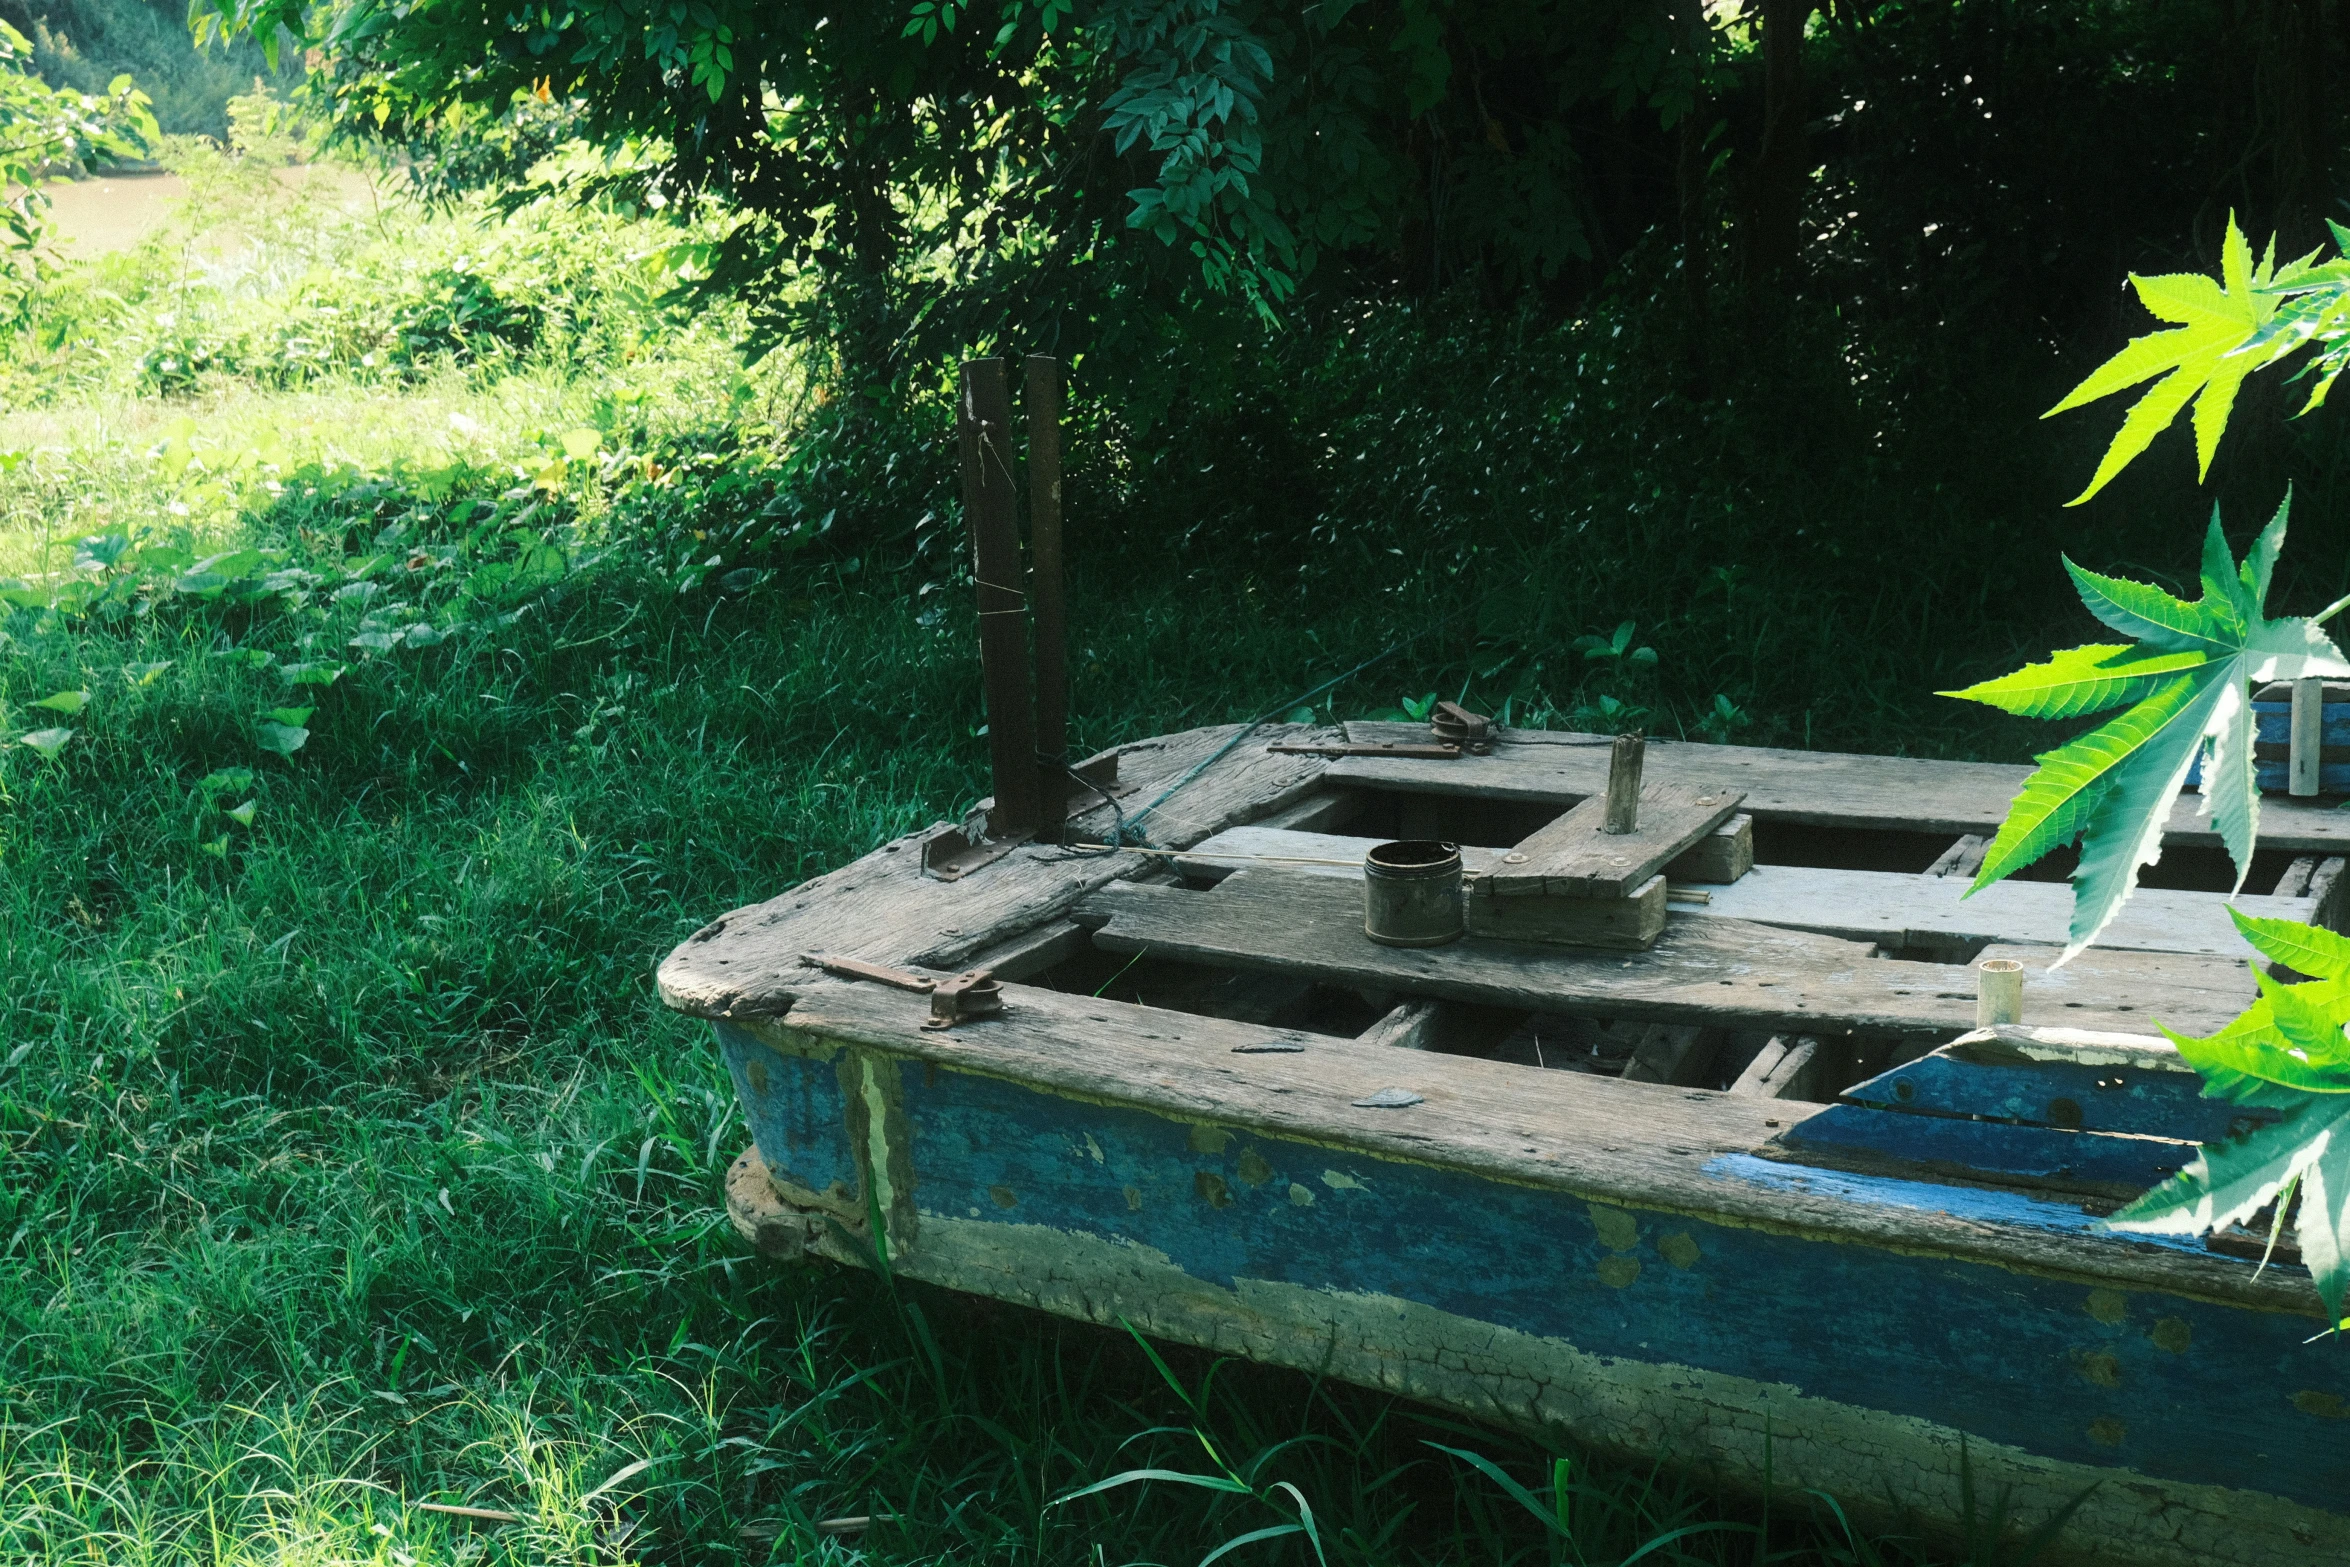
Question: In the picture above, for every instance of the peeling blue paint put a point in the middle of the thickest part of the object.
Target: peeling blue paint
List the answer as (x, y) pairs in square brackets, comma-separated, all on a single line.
[(1991, 1148), (798, 1114), (2126, 1099), (2172, 1387)]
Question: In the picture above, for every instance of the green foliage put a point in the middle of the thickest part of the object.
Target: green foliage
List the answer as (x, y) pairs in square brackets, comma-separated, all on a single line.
[(469, 148), (2115, 786), (2187, 684), (2200, 360), (46, 133), (258, 280), (384, 565), (2286, 1053), (85, 44), (893, 169), (2250, 318)]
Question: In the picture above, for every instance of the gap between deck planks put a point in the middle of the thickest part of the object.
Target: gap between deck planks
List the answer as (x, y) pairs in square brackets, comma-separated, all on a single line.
[(1704, 969), (1891, 908), (1824, 788), (1642, 1144)]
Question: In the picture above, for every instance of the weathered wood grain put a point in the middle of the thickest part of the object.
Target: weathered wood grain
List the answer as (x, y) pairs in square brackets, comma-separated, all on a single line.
[(1602, 1138), (1704, 970), (1576, 857), (884, 909), (1410, 1025), (1881, 907), (2128, 992), (1627, 924), (1032, 951), (1673, 1053), (1825, 788), (1935, 911), (1782, 1070), (1963, 858), (1723, 855)]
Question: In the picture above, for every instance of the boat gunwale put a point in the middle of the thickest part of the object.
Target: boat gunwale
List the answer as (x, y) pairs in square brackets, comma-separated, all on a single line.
[(1657, 1161)]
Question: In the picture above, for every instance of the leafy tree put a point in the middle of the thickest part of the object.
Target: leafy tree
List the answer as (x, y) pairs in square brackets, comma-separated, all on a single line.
[(46, 132), (942, 172)]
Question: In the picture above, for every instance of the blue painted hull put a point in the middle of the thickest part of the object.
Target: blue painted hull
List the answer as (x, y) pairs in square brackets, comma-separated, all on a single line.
[(2214, 1431)]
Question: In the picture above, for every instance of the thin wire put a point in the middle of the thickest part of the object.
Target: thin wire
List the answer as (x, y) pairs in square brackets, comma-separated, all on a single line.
[(1117, 814), (1199, 854), (1301, 699)]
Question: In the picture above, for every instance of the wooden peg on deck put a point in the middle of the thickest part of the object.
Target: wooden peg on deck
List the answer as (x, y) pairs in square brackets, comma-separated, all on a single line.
[(1623, 784), (1999, 992)]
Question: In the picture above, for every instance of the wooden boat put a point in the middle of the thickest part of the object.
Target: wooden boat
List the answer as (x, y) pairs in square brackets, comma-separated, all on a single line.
[(1757, 1199)]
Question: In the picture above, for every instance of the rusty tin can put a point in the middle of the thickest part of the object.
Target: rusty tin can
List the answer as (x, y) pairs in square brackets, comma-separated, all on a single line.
[(1412, 893)]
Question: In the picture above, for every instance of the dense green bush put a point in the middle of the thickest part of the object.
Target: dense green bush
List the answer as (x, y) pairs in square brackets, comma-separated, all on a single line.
[(269, 277)]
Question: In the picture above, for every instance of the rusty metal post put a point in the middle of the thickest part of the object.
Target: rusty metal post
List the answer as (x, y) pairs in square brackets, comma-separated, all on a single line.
[(1046, 587), (1623, 783), (983, 420)]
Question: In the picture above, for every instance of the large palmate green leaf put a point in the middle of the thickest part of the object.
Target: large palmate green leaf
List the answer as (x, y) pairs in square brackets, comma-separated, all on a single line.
[(2305, 949), (2287, 1052), (2187, 688), (2202, 359), (2230, 1182)]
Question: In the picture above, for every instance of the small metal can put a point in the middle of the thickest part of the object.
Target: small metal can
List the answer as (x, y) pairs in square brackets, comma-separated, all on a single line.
[(1412, 893)]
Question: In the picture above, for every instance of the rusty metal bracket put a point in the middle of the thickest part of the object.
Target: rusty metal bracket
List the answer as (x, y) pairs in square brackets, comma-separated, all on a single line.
[(953, 853), (973, 993), (1453, 724), (955, 999)]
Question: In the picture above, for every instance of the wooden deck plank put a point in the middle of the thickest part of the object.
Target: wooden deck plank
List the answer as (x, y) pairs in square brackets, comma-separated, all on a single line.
[(1823, 788), (1882, 907), (1606, 1139), (1703, 970), (883, 908), (1575, 857)]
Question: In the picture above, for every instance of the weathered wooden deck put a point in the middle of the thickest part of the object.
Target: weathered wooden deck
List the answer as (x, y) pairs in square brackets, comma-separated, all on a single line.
[(1652, 1267)]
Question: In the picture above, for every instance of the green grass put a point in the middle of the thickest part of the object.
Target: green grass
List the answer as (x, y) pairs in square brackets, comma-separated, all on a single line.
[(347, 1160), (360, 1167)]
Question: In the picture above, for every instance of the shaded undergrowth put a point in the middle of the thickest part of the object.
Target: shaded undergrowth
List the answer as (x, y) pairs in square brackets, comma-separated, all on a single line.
[(347, 1160)]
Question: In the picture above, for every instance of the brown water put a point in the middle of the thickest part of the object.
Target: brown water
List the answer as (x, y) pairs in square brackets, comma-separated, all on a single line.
[(115, 211)]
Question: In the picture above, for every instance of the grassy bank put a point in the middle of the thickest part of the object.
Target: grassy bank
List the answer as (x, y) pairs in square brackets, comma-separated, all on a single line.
[(350, 1162)]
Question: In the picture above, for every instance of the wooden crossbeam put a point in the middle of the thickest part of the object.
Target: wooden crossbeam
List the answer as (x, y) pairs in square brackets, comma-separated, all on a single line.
[(1575, 857), (1703, 970)]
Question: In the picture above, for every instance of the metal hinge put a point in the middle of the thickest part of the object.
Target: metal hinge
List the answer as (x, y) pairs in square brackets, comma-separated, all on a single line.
[(957, 998)]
